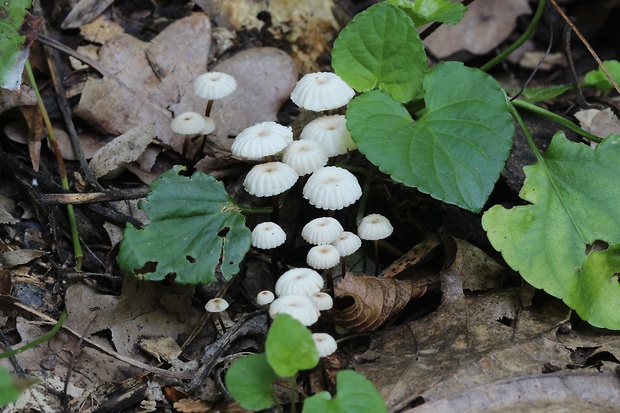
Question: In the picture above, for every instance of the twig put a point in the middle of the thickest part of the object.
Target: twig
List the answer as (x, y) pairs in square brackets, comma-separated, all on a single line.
[(74, 354), (61, 47), (586, 44)]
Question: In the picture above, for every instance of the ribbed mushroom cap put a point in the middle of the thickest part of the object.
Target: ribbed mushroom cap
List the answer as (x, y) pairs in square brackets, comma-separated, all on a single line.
[(216, 305), (262, 139), (322, 257), (374, 227), (322, 301), (321, 91), (189, 123), (332, 188), (325, 344), (214, 85), (268, 235), (305, 156), (303, 281), (268, 179), (331, 132), (209, 126), (321, 231), (347, 243), (265, 297), (298, 306)]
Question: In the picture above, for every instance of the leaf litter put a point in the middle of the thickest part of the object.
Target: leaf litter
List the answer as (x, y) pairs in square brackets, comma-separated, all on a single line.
[(480, 341)]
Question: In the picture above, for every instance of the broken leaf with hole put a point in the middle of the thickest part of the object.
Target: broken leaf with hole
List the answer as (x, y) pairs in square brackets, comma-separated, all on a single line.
[(567, 240), (195, 226)]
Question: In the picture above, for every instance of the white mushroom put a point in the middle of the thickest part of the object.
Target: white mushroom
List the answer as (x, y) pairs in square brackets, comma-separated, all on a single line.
[(321, 231), (298, 306), (331, 132), (322, 257), (269, 179), (305, 156), (262, 139), (332, 188), (268, 235), (321, 91), (214, 85), (325, 344), (303, 281)]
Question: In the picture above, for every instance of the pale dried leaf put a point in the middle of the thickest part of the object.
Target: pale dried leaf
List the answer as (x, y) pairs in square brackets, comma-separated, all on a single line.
[(7, 210), (486, 24), (473, 266), (84, 12), (100, 30), (601, 123), (192, 406), (9, 99), (163, 348), (90, 144), (125, 148), (12, 259)]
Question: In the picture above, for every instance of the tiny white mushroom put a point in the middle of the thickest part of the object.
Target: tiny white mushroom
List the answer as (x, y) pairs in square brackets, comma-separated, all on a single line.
[(298, 306), (304, 281), (332, 188), (214, 85), (322, 301), (321, 231), (325, 344), (331, 132), (375, 227), (305, 156), (216, 306), (322, 257), (269, 179), (268, 235), (346, 244), (321, 91), (265, 297), (262, 139), (189, 123)]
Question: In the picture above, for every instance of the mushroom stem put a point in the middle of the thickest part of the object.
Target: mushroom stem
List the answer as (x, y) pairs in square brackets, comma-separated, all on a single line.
[(275, 213), (293, 384), (218, 318), (185, 147), (376, 242), (209, 106), (330, 281), (343, 265)]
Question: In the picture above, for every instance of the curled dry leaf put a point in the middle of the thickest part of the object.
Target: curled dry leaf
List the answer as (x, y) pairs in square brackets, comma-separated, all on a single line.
[(364, 303)]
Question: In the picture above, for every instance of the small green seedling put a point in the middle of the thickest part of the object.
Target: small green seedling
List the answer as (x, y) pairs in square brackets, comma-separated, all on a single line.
[(8, 391), (289, 349)]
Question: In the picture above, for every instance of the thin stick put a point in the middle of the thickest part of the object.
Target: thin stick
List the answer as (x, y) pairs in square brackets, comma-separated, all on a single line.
[(586, 44)]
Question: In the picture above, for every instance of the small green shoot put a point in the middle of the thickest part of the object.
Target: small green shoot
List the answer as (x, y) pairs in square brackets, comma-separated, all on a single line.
[(599, 80), (8, 391), (423, 12)]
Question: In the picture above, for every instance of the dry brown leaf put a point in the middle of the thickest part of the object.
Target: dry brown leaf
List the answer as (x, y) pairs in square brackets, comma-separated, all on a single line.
[(364, 303), (413, 257), (486, 24), (599, 122), (9, 99), (192, 406), (471, 265), (84, 12), (11, 259), (111, 159), (89, 142)]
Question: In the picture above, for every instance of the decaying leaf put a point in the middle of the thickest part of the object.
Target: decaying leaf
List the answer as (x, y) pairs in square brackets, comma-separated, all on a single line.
[(601, 123), (486, 24), (126, 148), (364, 302)]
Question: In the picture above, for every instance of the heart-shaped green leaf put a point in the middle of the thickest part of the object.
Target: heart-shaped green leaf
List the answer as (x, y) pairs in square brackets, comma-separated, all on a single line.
[(573, 191), (455, 151), (425, 11), (249, 380), (289, 347), (17, 32), (380, 48), (598, 78), (356, 394), (194, 227)]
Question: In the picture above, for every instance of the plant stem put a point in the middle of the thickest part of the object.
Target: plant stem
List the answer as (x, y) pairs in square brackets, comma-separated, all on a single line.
[(526, 131), (293, 384), (528, 32), (556, 118), (39, 340), (77, 248)]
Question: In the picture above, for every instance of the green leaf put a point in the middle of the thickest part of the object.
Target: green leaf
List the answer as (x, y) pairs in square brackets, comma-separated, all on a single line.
[(573, 191), (289, 347), (539, 94), (425, 11), (15, 38), (356, 394), (8, 392), (455, 151), (194, 225), (249, 381), (380, 48), (598, 78)]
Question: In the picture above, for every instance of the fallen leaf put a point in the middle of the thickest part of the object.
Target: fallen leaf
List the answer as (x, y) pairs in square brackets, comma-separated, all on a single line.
[(125, 148), (19, 257), (601, 123), (486, 24), (84, 12)]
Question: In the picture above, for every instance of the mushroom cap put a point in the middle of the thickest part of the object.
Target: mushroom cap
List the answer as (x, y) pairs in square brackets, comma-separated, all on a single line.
[(322, 257), (374, 227), (214, 85), (189, 123), (209, 126), (321, 231), (331, 187), (268, 235), (325, 344), (322, 301), (268, 179), (298, 306), (305, 156), (216, 305), (262, 139), (265, 297), (303, 281), (331, 132), (347, 243), (321, 91)]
